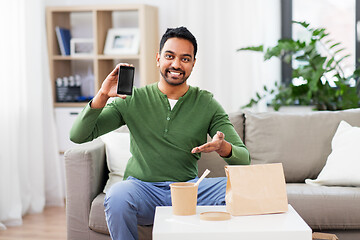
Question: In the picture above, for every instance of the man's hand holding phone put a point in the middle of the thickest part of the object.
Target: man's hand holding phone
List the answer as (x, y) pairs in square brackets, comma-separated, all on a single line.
[(126, 80), (109, 88)]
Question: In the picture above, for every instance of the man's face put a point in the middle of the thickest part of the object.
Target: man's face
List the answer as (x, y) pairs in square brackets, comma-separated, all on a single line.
[(176, 60)]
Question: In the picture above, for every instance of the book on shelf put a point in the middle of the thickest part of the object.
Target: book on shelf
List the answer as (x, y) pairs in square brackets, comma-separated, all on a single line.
[(63, 36)]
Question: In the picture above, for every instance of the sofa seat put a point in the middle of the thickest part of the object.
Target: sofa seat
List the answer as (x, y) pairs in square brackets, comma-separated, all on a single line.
[(321, 207), (326, 207), (97, 221)]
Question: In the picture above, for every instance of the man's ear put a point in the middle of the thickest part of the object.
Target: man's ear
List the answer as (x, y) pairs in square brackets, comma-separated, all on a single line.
[(194, 62), (158, 59)]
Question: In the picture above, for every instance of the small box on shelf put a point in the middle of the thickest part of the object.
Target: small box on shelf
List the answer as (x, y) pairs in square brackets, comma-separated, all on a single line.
[(68, 89)]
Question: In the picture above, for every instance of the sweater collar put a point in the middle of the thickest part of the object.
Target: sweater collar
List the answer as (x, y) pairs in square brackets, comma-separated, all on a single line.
[(156, 88)]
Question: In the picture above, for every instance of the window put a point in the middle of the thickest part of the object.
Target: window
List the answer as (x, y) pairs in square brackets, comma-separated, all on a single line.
[(338, 17)]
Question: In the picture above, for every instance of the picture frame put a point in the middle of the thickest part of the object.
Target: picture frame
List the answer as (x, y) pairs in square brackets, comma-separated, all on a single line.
[(122, 41), (81, 47)]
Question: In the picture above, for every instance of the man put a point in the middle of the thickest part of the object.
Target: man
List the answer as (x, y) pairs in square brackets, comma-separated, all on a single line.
[(169, 122)]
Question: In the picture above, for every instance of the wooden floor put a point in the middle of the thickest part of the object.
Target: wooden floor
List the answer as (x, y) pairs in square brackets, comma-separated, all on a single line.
[(49, 225)]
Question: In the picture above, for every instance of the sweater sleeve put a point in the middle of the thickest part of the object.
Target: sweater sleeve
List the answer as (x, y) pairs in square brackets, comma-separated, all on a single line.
[(220, 122), (92, 123)]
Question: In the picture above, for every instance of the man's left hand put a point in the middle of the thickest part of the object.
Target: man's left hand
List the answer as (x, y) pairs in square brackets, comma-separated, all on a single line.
[(218, 144)]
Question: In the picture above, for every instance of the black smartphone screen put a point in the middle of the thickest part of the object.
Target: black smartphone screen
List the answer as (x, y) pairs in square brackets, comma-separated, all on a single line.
[(126, 80)]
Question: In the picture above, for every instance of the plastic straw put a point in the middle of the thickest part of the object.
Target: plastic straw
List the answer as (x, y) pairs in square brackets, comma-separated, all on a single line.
[(207, 171)]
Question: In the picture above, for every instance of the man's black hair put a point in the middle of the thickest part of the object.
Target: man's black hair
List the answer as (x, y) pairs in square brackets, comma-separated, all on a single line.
[(180, 32)]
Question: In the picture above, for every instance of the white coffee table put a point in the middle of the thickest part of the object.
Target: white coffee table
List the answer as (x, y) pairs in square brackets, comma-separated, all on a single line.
[(282, 226)]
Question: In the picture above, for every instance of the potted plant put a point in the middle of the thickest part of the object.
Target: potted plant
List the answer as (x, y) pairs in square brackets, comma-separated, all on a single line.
[(315, 69)]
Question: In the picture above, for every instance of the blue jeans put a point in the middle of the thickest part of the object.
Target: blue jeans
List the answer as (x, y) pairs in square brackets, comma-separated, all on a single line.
[(132, 202)]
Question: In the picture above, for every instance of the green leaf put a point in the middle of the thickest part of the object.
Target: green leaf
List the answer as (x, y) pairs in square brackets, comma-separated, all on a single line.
[(318, 61), (329, 62), (253, 48), (328, 41), (334, 45), (302, 58), (287, 58), (319, 32), (304, 24), (340, 50), (346, 56)]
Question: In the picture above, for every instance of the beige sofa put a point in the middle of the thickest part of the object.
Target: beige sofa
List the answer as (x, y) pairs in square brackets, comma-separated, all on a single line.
[(302, 142)]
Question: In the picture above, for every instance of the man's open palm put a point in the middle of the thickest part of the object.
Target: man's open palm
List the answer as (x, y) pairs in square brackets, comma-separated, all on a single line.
[(215, 145)]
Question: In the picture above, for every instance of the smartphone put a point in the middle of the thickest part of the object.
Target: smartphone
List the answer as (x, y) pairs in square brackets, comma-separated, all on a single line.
[(125, 80)]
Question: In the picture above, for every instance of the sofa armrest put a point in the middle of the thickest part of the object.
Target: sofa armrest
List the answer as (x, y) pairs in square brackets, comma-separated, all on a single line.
[(85, 170)]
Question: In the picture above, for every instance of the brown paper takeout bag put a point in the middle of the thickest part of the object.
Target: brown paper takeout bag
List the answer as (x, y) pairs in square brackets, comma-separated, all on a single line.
[(255, 189)]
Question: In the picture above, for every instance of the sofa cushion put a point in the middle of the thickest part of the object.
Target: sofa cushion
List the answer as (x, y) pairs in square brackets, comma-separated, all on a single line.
[(117, 146), (342, 166), (301, 141), (97, 220), (237, 119), (325, 207)]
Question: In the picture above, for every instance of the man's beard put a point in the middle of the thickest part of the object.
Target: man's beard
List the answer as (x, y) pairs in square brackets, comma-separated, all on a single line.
[(173, 83)]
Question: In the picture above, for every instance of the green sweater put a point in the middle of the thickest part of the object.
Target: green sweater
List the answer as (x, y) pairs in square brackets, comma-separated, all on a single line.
[(161, 138)]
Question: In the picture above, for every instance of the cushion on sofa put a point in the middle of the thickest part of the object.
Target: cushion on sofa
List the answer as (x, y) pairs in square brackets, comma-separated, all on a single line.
[(117, 146), (325, 207), (343, 164), (237, 119), (301, 141)]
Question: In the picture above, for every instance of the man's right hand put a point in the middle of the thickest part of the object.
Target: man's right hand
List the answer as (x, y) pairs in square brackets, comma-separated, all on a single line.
[(108, 88)]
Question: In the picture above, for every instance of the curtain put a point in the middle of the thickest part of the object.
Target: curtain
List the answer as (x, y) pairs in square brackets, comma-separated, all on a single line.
[(221, 27), (29, 165)]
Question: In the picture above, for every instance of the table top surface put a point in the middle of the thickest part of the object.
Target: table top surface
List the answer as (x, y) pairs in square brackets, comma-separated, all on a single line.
[(166, 223)]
